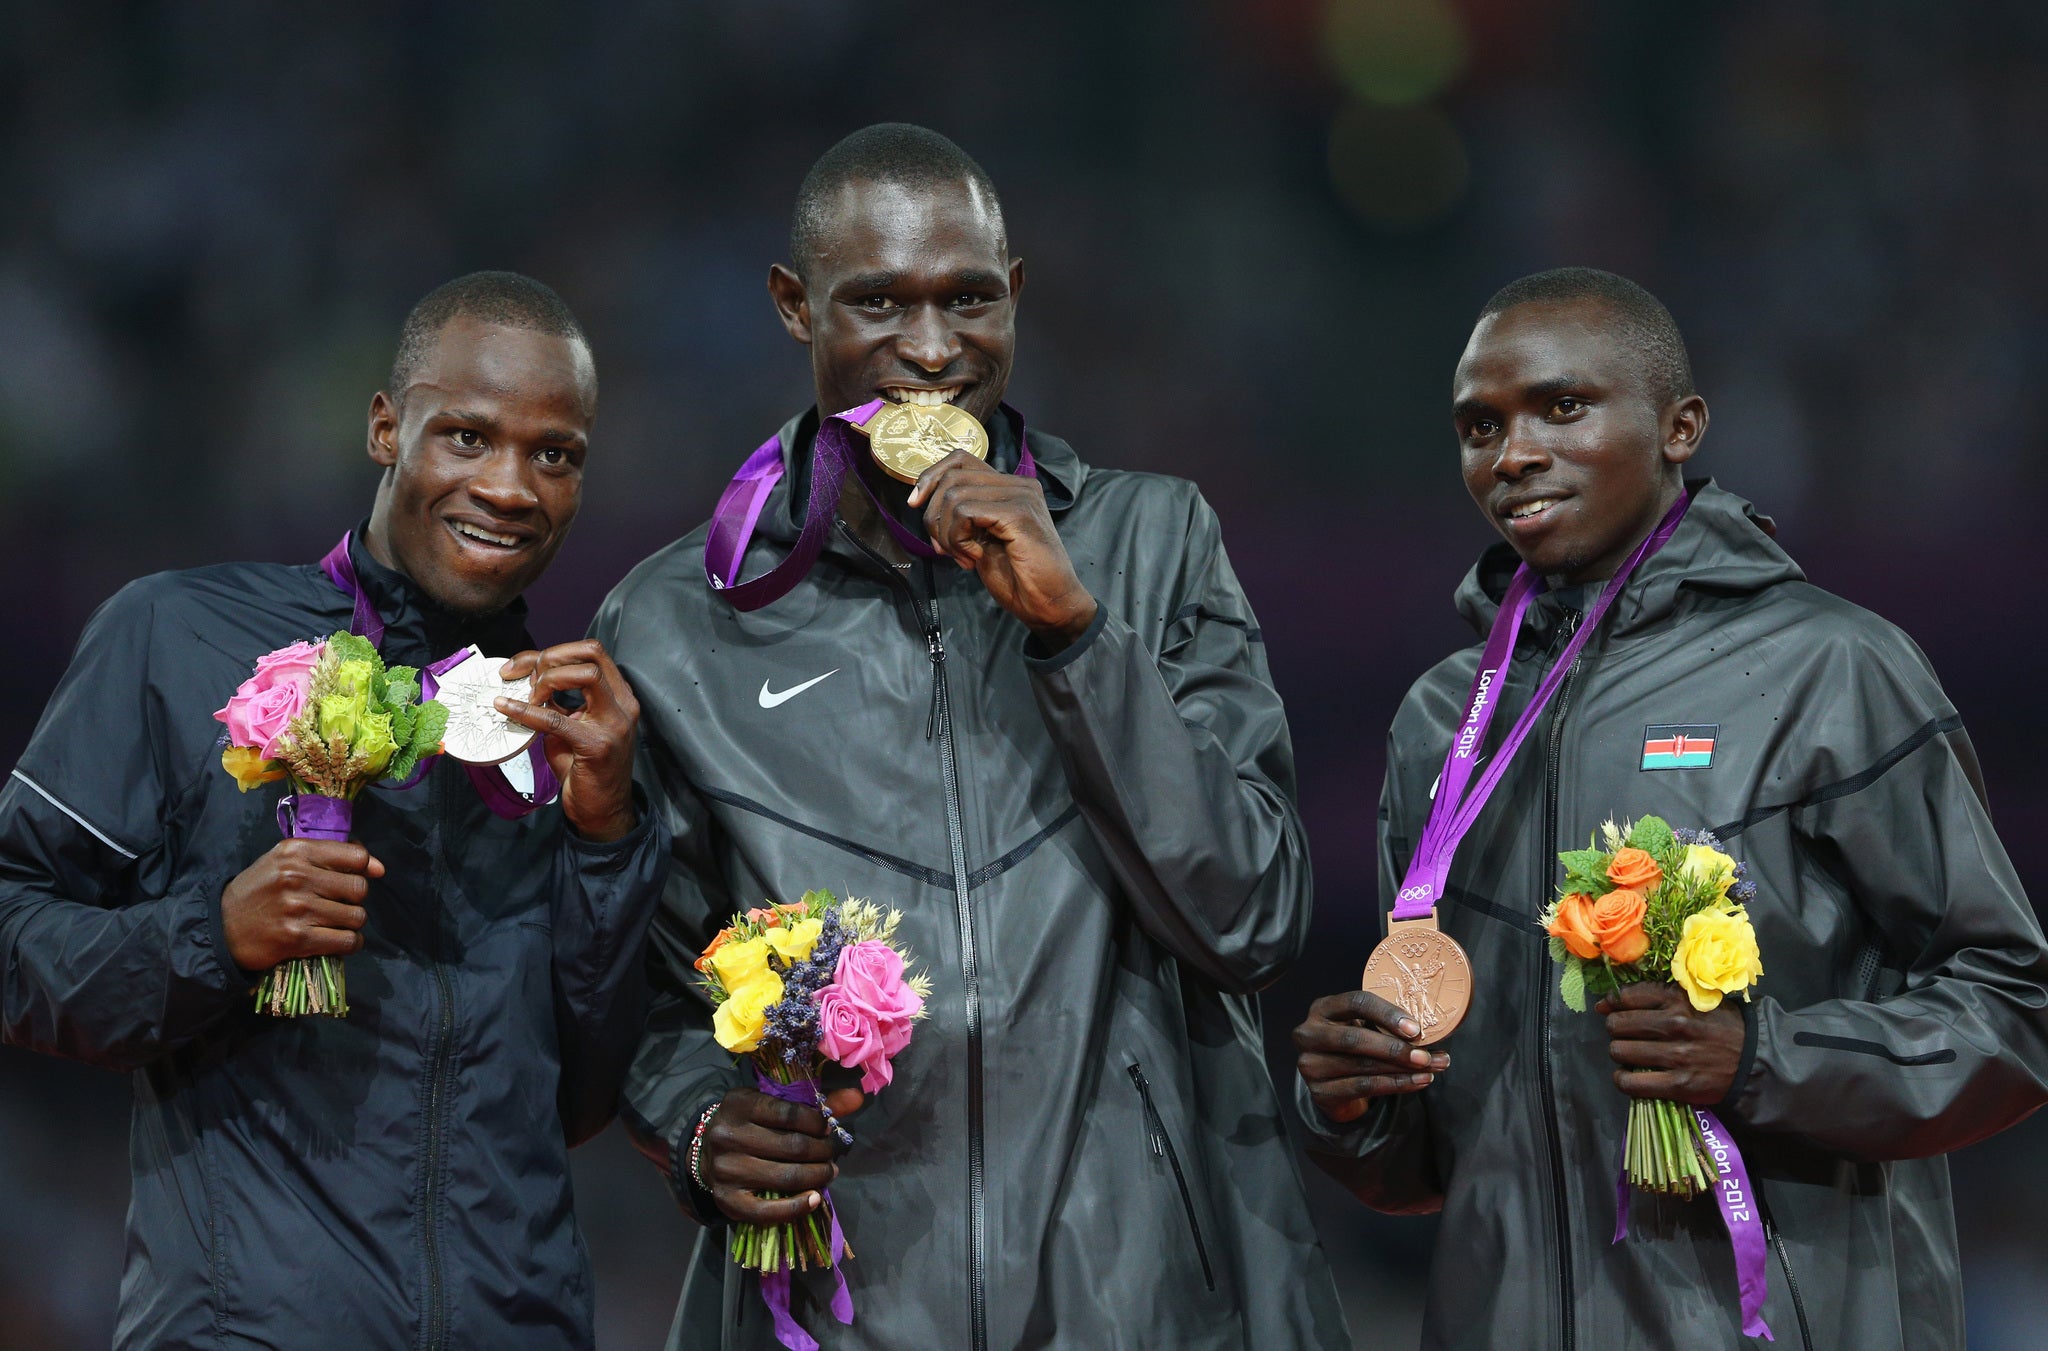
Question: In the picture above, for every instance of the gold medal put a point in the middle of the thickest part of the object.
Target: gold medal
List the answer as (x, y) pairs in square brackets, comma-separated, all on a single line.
[(1422, 971), (909, 438)]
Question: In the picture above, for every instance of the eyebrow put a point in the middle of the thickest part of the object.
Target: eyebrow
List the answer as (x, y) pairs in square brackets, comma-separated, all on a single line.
[(1567, 383), (870, 281), (980, 277), (465, 415)]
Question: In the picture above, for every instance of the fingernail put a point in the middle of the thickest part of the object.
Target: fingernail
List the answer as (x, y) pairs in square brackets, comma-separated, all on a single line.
[(1442, 1062), (1418, 1057), (1410, 1028), (1422, 1079), (811, 1202)]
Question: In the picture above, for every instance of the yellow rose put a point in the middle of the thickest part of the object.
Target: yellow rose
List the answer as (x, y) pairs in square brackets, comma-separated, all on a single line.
[(1710, 866), (738, 963), (1717, 955), (249, 767), (794, 943), (738, 1022)]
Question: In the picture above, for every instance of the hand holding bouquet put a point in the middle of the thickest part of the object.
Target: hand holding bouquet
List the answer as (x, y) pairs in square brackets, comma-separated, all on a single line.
[(796, 987), (332, 719), (1656, 904)]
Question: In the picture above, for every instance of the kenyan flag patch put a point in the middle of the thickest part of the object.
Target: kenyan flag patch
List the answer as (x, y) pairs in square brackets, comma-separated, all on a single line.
[(1669, 746)]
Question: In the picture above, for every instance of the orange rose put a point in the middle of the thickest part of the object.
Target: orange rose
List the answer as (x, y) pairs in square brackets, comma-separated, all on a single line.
[(1618, 924), (1573, 922), (1634, 869), (703, 963)]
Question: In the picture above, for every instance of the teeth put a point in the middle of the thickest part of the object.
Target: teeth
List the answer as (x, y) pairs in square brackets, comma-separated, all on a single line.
[(1531, 508), (924, 398), (487, 536)]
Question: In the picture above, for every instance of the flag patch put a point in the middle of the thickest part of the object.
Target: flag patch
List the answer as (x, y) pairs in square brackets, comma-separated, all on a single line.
[(1671, 746)]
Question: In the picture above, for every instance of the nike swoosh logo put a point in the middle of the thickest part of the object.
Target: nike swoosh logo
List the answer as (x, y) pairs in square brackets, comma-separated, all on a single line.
[(770, 699)]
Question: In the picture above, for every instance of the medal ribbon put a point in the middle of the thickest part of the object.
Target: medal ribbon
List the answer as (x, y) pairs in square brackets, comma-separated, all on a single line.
[(1455, 810), (490, 782), (832, 459)]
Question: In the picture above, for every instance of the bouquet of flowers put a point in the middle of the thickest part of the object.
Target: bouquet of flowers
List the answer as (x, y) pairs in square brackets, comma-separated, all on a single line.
[(796, 987), (333, 719), (1656, 904)]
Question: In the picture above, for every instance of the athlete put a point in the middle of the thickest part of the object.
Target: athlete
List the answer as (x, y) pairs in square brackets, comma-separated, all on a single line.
[(398, 1177), (1054, 746), (1902, 1010)]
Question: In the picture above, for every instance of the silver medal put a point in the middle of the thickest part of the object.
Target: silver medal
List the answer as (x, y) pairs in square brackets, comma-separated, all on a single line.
[(478, 733)]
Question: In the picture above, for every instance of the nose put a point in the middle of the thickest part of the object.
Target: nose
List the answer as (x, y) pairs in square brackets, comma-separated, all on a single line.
[(1521, 453), (928, 340), (501, 483)]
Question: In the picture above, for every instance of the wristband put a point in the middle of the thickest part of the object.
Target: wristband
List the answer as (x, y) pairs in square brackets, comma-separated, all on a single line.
[(694, 1166)]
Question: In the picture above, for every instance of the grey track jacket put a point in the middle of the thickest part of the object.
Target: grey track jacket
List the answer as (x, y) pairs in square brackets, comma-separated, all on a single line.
[(1099, 861), (1902, 1010)]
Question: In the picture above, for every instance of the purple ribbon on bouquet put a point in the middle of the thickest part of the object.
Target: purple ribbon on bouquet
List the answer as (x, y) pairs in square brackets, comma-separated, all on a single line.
[(310, 816), (832, 459), (775, 1284), (490, 782), (1736, 1198)]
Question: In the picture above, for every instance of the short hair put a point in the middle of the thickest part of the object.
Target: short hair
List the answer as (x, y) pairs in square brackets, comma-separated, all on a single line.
[(1646, 326), (887, 152), (507, 298)]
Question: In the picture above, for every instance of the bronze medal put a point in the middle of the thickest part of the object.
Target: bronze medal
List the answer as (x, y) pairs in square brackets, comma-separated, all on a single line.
[(1422, 970), (909, 438)]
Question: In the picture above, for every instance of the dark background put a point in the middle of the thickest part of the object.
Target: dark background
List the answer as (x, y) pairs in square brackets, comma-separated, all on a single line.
[(1256, 232)]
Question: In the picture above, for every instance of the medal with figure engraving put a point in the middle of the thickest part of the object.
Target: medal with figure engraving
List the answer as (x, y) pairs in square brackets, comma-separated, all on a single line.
[(478, 734), (908, 438), (1422, 970)]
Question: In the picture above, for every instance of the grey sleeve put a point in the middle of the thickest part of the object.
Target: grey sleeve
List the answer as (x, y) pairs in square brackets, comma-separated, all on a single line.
[(1960, 1050), (1385, 1158), (1182, 767)]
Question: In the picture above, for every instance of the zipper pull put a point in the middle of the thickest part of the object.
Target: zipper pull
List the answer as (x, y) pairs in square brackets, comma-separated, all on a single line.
[(935, 648)]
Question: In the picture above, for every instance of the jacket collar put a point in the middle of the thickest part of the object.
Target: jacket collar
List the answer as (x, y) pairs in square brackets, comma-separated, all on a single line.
[(415, 625), (1719, 549)]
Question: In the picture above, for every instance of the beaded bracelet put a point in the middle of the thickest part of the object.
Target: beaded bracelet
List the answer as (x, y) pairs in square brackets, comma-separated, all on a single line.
[(694, 1166)]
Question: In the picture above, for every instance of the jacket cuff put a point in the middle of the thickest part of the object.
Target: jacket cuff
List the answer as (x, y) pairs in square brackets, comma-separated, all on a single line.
[(605, 855), (1725, 1108), (1039, 660), (227, 976)]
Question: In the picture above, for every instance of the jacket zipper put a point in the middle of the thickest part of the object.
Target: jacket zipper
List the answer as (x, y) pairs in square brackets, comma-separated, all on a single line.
[(435, 1324), (941, 717), (1163, 1146), (1559, 1201), (1777, 1238)]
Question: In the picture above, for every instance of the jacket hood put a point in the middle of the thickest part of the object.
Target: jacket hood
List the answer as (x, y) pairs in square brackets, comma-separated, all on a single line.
[(1721, 548), (1059, 469)]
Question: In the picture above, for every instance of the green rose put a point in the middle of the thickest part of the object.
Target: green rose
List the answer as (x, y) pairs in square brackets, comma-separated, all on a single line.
[(373, 739), (342, 714)]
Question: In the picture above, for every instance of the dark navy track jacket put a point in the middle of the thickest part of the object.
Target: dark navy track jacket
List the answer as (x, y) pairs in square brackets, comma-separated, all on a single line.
[(398, 1178)]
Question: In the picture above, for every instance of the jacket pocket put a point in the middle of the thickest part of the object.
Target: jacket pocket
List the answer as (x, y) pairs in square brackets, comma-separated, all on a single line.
[(1162, 1146)]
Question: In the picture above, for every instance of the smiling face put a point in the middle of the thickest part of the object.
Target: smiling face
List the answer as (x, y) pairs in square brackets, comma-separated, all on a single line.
[(483, 457), (911, 297), (1564, 445)]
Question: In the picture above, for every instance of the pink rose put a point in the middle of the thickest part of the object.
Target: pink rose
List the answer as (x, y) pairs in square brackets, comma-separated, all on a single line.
[(265, 704), (871, 975), (849, 1036)]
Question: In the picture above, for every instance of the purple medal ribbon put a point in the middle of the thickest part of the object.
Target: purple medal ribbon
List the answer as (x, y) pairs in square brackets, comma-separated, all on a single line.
[(775, 1284), (832, 459), (490, 782), (1455, 810)]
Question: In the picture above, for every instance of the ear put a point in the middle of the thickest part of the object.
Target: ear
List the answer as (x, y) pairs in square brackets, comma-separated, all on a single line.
[(1016, 279), (792, 302), (383, 430), (1685, 426)]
